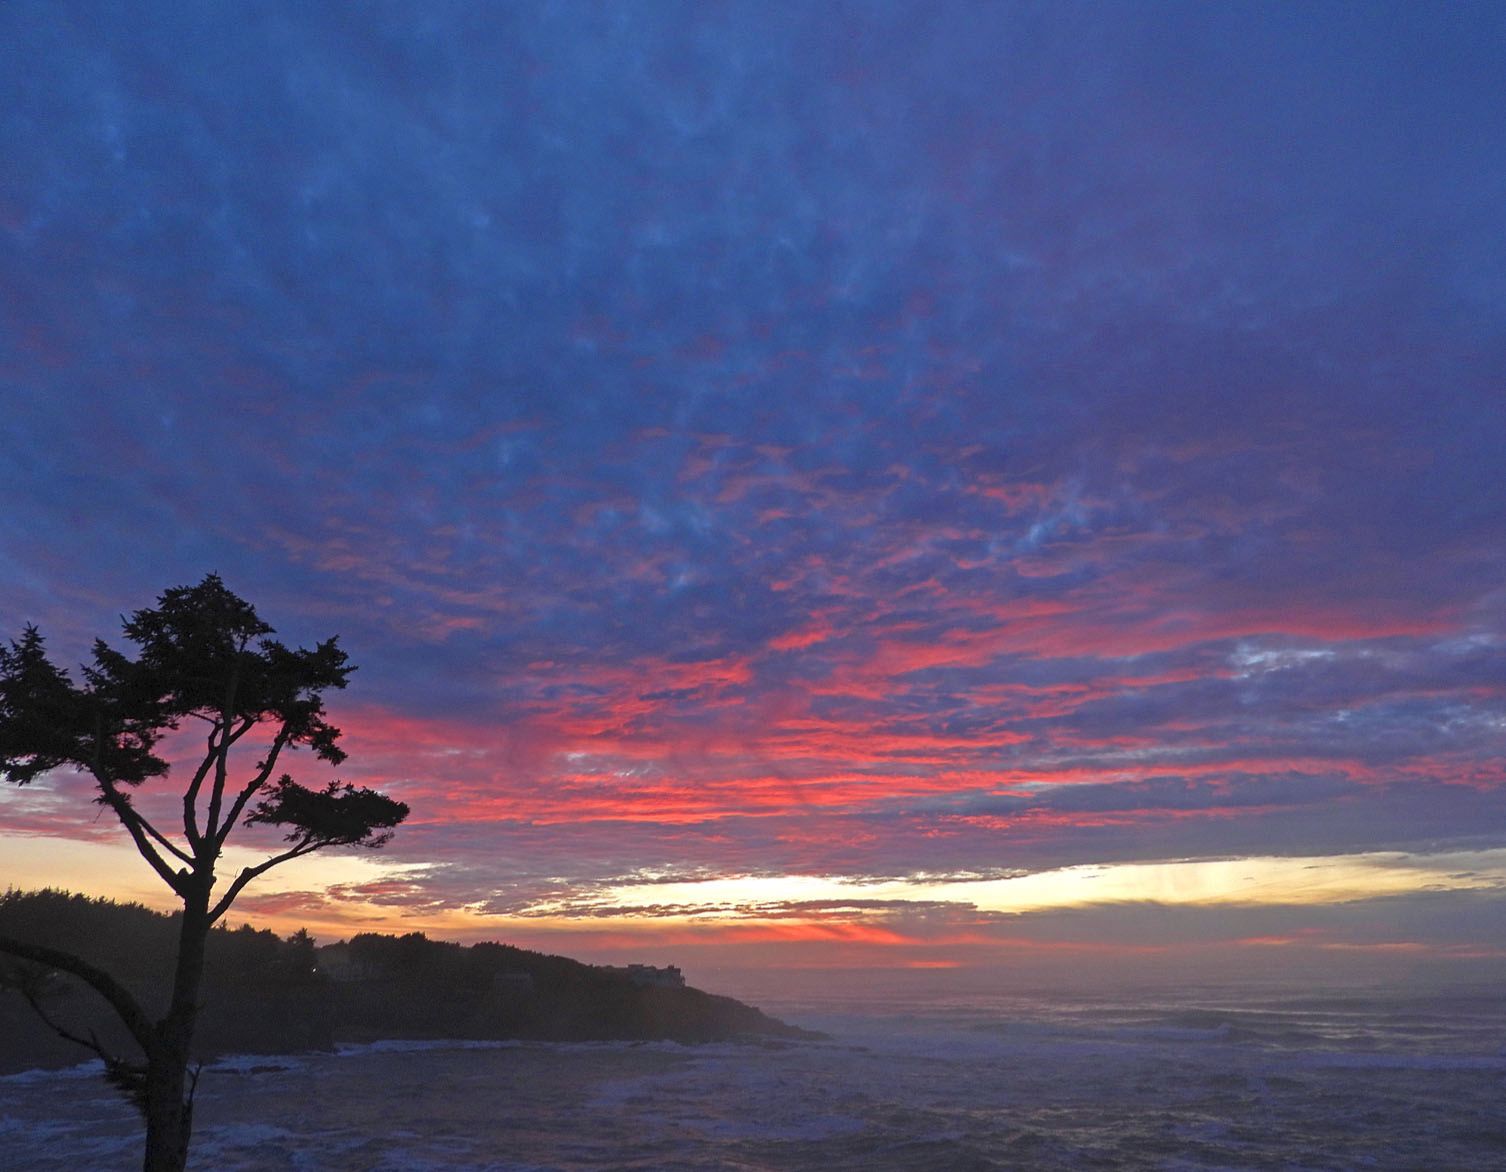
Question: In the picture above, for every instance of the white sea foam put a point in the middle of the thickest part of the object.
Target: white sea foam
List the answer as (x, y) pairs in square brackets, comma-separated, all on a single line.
[(255, 1064), (83, 1070), (418, 1045)]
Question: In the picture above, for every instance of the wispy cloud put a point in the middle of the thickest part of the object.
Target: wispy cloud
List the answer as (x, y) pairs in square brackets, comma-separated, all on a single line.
[(771, 442)]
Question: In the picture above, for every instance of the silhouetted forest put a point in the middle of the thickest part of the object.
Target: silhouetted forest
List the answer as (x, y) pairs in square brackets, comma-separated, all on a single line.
[(264, 993)]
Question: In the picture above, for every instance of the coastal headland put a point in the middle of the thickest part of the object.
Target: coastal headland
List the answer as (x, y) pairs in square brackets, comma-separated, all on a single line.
[(267, 994)]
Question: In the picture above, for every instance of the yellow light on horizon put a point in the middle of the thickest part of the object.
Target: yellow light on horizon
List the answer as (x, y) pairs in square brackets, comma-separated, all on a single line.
[(1255, 881), (113, 869)]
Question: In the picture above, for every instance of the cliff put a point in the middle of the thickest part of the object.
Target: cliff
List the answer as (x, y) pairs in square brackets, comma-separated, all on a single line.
[(413, 987), (269, 994)]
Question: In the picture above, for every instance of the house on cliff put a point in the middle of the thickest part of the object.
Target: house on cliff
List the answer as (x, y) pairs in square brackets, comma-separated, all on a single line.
[(648, 976)]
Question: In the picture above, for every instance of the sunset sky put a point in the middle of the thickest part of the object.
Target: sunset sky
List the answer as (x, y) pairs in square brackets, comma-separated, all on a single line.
[(935, 485)]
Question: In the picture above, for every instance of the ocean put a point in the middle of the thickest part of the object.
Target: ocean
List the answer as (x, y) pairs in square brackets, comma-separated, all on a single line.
[(1195, 1079)]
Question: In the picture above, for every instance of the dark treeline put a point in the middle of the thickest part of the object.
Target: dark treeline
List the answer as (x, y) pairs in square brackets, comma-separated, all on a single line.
[(261, 993), (264, 993)]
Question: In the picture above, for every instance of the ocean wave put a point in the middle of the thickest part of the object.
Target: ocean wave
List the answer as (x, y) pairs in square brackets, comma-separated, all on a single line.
[(1132, 1086)]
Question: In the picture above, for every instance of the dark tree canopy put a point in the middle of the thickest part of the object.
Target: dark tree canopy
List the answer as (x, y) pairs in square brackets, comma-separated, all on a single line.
[(203, 655)]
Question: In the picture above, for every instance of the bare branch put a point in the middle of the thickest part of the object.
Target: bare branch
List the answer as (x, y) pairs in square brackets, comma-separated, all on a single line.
[(262, 774), (222, 759), (305, 846), (215, 757), (90, 1043), (168, 844), (127, 1077), (119, 997), (191, 796), (246, 726), (135, 824), (217, 792)]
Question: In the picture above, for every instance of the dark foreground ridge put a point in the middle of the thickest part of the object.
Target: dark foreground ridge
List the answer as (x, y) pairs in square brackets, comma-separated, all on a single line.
[(265, 994)]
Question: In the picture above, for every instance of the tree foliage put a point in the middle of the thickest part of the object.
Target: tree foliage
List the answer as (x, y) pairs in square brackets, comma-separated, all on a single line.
[(203, 657)]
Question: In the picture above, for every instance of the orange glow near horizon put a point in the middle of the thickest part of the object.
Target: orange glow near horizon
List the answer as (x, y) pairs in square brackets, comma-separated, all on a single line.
[(810, 921)]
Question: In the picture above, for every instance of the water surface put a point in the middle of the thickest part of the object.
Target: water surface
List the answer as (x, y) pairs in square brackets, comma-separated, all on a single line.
[(1272, 1080)]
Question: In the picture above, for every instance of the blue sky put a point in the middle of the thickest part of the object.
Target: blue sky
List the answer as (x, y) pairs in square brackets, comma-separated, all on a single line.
[(792, 444)]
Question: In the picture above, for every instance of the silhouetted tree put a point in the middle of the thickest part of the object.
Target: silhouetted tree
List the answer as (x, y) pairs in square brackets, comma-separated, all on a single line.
[(204, 656)]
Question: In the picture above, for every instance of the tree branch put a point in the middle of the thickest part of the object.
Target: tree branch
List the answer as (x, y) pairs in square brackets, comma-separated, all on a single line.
[(191, 796), (246, 726), (134, 823), (119, 997), (216, 757), (222, 759), (306, 846), (168, 844), (217, 793), (279, 742), (90, 1043)]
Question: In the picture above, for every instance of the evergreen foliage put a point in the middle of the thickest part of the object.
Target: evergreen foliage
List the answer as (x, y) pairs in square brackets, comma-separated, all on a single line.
[(268, 994), (202, 655)]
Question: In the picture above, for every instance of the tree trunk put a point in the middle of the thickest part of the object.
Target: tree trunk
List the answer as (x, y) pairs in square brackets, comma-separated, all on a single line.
[(169, 1101), (169, 1118)]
